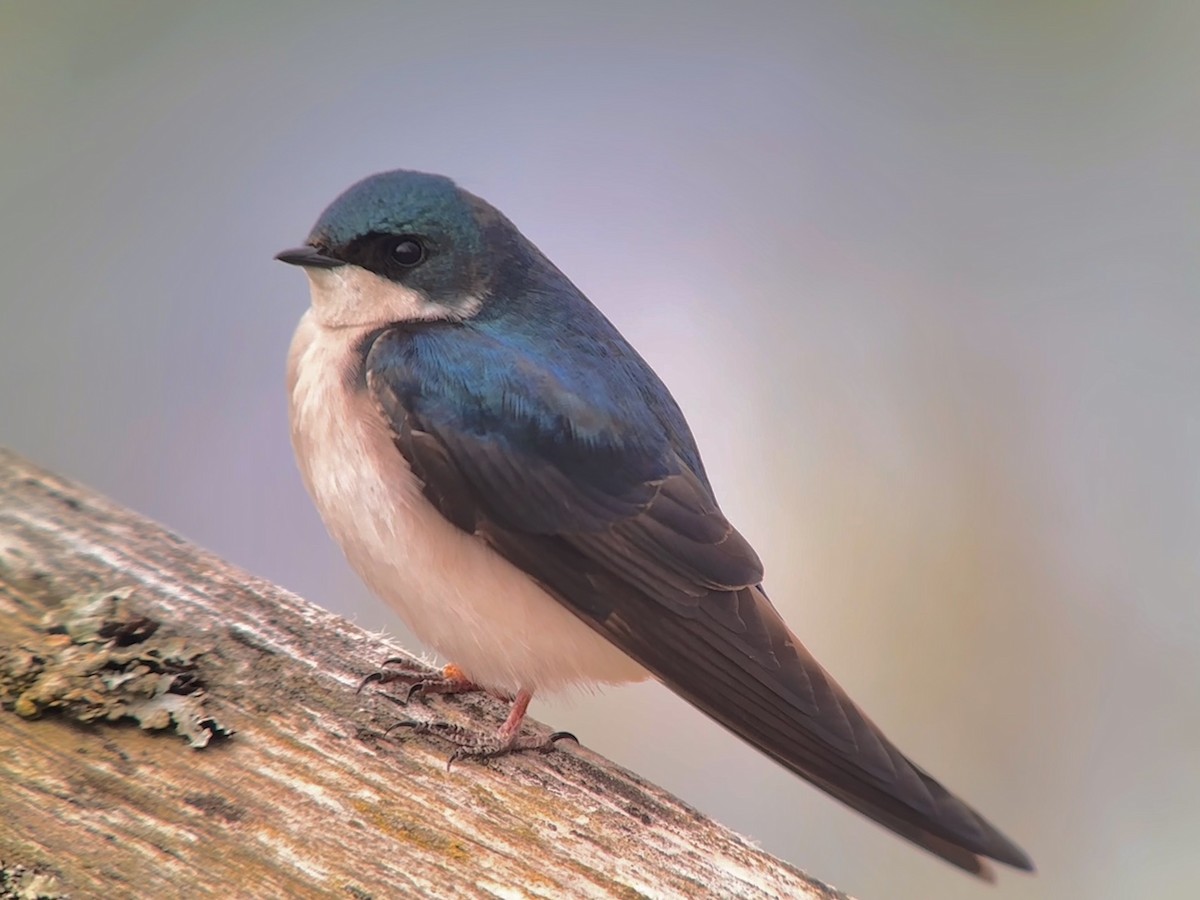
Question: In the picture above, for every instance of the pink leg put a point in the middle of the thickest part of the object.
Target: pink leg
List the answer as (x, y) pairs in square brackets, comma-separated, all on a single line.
[(512, 725)]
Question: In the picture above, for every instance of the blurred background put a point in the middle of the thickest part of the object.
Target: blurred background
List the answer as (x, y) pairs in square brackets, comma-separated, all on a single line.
[(923, 275)]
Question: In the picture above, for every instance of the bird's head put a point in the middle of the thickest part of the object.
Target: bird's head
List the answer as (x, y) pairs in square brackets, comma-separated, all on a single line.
[(402, 246)]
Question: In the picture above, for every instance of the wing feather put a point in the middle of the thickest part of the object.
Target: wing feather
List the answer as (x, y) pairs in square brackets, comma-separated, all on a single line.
[(628, 536)]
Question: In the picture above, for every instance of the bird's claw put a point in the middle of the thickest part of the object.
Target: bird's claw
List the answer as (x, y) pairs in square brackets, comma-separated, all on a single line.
[(418, 679), (370, 679), (384, 675), (471, 745), (404, 723)]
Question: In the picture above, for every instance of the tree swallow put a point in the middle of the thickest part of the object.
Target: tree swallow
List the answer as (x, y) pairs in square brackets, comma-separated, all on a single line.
[(507, 473)]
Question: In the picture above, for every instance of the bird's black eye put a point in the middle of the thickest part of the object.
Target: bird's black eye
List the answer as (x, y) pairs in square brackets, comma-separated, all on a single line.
[(408, 251)]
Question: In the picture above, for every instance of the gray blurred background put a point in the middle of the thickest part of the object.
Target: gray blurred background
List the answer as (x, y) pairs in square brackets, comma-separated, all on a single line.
[(923, 275)]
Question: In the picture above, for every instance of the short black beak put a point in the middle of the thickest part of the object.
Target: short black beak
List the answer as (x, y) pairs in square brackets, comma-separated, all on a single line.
[(309, 257)]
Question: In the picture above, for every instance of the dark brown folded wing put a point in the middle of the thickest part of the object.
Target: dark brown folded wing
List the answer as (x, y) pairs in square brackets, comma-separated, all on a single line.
[(635, 545)]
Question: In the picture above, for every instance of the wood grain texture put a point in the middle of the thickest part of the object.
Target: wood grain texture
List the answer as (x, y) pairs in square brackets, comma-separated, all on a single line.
[(308, 798)]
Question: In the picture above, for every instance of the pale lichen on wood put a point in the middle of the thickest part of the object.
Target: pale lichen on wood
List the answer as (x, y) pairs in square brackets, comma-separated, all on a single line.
[(98, 658), (309, 798)]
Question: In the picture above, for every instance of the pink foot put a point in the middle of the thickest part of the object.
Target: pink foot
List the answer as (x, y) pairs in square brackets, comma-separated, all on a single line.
[(507, 739)]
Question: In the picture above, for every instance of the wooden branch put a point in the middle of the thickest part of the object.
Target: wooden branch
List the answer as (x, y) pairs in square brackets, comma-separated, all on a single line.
[(108, 621)]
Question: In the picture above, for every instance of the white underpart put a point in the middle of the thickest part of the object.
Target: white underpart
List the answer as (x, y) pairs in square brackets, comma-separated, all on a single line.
[(454, 592)]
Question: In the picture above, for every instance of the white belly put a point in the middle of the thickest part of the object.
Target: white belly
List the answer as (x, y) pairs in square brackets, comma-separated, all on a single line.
[(454, 592)]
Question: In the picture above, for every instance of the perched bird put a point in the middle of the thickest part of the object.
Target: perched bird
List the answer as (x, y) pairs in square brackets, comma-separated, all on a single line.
[(508, 474)]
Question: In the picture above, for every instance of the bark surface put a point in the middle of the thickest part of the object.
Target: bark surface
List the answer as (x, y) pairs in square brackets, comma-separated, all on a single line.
[(172, 726)]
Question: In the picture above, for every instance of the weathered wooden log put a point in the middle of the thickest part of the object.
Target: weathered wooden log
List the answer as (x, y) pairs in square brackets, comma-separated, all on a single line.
[(285, 783)]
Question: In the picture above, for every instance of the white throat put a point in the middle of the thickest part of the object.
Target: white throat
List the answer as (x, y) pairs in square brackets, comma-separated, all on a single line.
[(353, 297)]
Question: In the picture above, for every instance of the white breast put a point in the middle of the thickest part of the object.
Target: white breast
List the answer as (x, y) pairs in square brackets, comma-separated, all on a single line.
[(455, 593)]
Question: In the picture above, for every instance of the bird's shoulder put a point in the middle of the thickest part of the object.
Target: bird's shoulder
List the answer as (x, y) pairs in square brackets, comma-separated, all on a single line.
[(507, 436)]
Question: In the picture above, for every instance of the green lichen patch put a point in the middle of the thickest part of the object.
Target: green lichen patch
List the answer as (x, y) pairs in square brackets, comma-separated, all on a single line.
[(98, 659)]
